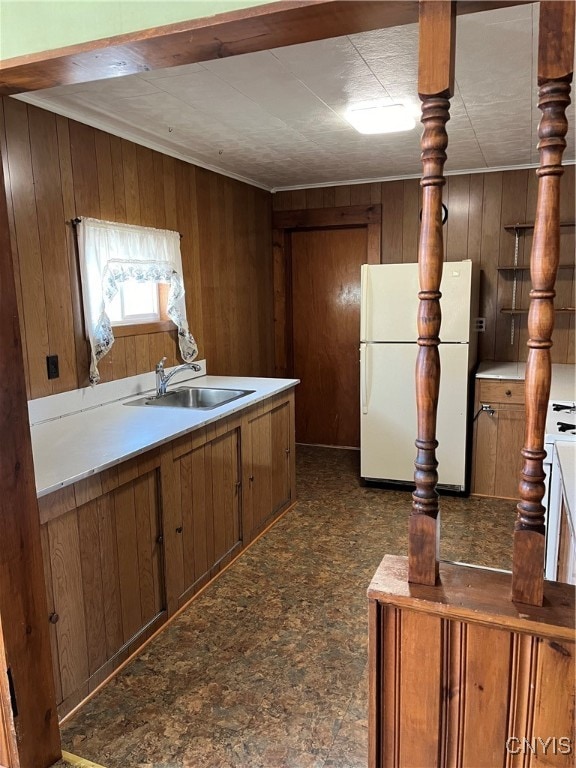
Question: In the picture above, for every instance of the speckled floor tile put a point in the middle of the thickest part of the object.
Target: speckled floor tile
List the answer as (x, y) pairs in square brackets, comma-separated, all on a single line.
[(267, 667)]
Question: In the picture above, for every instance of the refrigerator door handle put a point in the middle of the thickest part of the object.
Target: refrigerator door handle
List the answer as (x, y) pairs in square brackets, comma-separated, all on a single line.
[(363, 380), (364, 302)]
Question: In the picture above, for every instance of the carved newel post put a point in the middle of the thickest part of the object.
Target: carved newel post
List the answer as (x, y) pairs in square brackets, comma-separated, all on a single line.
[(435, 87), (555, 64)]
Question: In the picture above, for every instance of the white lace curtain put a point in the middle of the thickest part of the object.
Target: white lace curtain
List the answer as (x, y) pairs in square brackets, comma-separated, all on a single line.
[(111, 253)]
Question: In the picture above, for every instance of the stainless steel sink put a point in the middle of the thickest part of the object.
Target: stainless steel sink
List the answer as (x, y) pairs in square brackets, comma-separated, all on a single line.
[(200, 398)]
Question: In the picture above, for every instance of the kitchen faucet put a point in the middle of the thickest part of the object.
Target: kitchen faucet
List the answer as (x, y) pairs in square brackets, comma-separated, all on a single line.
[(162, 379)]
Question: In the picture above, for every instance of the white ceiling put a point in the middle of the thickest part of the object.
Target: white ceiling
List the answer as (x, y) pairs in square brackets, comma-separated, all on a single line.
[(275, 118)]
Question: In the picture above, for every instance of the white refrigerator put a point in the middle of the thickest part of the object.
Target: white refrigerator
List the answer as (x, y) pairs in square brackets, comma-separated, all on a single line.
[(388, 349)]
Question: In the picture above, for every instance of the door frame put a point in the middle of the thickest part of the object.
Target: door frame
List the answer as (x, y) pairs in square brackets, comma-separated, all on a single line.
[(283, 224)]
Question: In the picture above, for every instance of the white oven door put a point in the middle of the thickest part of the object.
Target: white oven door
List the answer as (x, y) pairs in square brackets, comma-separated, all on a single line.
[(553, 507)]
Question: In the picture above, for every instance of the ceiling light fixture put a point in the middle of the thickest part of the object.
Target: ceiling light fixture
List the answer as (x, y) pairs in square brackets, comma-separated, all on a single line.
[(389, 119)]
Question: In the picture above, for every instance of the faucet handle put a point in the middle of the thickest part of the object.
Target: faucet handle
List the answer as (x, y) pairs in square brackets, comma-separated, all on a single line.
[(160, 365)]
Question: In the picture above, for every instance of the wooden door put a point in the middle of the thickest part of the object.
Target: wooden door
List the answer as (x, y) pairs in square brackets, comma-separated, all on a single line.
[(326, 333)]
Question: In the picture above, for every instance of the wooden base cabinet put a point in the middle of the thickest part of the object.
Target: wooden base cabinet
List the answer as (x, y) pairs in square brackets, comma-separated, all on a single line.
[(104, 574), (221, 485), (498, 437), (125, 549), (460, 676)]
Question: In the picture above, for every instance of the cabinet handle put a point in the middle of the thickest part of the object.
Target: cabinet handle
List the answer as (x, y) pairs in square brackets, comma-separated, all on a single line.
[(508, 392), (53, 618), (238, 485), (251, 478), (160, 539), (287, 451), (179, 529)]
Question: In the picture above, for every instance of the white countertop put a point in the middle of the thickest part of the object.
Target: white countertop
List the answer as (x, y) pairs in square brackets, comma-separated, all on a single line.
[(563, 385), (566, 452), (70, 447), (493, 370)]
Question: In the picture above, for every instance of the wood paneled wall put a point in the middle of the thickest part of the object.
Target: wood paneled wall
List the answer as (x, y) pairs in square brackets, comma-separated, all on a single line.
[(57, 169), (479, 206)]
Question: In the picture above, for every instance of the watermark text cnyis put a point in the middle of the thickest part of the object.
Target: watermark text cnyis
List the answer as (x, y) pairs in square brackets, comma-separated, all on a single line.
[(538, 745)]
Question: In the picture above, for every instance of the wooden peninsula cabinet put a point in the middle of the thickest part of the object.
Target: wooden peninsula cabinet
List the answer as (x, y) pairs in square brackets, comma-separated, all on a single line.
[(498, 437), (126, 548)]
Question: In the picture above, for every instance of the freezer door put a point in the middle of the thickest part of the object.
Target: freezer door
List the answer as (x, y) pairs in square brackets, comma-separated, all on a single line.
[(388, 413), (390, 302), (456, 289)]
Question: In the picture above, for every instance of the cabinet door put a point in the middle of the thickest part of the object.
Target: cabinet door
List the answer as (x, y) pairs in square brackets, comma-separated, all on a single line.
[(104, 580), (259, 487), (268, 467), (280, 454), (62, 548), (210, 507), (131, 530), (499, 438)]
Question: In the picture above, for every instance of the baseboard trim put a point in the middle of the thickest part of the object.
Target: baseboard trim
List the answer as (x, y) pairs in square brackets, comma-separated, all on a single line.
[(80, 762)]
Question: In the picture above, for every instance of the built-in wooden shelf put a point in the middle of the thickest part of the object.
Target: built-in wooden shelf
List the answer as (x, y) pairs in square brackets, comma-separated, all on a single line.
[(527, 268), (524, 311), (530, 225)]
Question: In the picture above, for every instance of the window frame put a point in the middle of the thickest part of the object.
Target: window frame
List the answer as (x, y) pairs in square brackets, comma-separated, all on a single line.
[(148, 326)]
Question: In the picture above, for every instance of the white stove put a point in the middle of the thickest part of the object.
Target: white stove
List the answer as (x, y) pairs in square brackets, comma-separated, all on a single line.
[(561, 420), (560, 426)]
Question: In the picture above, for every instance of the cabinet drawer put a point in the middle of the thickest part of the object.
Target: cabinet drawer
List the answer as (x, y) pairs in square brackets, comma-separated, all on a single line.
[(501, 391)]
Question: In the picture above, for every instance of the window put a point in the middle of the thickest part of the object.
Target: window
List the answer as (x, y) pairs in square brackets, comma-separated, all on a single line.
[(134, 303), (130, 276)]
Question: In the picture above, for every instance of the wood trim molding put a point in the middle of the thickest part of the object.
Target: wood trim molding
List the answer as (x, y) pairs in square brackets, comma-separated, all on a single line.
[(472, 593), (313, 218), (226, 34), (281, 265), (139, 328), (374, 245)]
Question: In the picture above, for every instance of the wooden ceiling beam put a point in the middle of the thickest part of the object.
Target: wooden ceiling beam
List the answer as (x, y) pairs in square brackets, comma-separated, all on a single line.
[(228, 34)]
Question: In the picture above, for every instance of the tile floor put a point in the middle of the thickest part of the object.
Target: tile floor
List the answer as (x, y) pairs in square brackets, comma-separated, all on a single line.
[(267, 667)]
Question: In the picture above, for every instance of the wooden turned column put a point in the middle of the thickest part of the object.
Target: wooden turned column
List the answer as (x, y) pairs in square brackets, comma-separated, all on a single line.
[(555, 63), (435, 87)]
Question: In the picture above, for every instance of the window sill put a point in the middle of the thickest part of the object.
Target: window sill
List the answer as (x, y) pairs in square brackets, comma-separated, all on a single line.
[(138, 329)]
